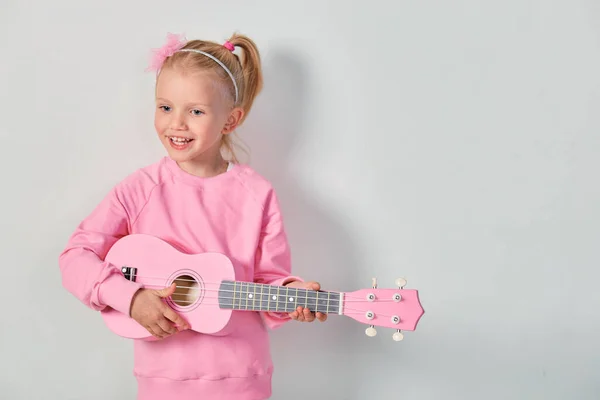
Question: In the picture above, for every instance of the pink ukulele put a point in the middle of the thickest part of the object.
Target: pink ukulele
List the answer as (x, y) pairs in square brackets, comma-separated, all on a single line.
[(207, 292)]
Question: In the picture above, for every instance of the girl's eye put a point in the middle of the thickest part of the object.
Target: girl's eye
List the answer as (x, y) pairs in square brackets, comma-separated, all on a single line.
[(165, 108), (197, 112)]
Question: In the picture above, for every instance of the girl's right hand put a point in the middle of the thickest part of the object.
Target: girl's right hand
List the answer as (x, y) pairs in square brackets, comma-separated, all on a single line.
[(148, 309)]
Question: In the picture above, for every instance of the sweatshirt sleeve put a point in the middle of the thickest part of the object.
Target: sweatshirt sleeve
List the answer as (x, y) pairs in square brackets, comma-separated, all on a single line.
[(85, 274), (273, 257)]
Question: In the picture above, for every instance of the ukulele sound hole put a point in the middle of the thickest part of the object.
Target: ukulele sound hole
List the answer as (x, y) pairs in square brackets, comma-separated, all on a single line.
[(187, 291)]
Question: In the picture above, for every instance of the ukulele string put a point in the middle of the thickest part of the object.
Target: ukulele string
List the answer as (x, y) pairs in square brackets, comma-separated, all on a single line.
[(244, 297), (253, 307), (347, 297)]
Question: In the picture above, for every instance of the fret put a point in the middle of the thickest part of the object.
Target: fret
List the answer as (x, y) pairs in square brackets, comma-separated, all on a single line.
[(295, 300), (239, 303), (249, 296), (225, 300), (311, 299), (239, 295), (233, 299), (287, 299), (334, 303), (242, 296), (261, 303), (281, 300), (268, 297), (321, 304), (291, 299), (244, 292)]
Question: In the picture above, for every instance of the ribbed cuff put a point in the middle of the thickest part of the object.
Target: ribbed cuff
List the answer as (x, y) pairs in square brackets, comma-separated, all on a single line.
[(117, 292)]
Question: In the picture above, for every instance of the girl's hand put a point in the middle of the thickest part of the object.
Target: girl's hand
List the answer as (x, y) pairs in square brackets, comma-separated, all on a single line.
[(304, 314), (148, 309)]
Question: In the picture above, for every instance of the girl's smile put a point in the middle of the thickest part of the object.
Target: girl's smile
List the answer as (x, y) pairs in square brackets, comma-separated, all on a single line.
[(180, 143)]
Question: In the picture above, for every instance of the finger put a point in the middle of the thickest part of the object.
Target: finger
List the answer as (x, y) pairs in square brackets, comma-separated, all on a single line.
[(158, 329), (166, 292), (152, 332), (311, 285), (167, 326), (298, 313), (308, 316), (321, 317), (175, 318)]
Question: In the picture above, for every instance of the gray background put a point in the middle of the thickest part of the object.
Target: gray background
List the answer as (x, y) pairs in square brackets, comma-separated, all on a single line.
[(450, 142)]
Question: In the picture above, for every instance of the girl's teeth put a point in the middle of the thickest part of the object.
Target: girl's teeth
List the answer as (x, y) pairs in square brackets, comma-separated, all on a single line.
[(179, 140)]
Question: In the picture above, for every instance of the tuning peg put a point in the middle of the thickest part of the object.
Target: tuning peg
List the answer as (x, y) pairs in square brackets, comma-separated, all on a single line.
[(370, 331), (374, 281), (400, 282), (397, 336)]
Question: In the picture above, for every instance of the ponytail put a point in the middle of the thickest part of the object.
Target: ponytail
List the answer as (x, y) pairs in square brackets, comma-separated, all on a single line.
[(252, 79), (251, 82)]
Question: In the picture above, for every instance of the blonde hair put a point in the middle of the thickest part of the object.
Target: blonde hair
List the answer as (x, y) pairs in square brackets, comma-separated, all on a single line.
[(246, 70)]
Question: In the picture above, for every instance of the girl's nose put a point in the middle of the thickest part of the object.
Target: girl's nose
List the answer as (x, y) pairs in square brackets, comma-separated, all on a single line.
[(178, 122)]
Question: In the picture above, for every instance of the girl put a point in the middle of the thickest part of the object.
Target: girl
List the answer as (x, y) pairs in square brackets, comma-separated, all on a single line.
[(198, 201)]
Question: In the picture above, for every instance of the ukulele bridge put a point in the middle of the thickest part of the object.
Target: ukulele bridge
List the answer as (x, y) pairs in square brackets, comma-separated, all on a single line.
[(130, 273)]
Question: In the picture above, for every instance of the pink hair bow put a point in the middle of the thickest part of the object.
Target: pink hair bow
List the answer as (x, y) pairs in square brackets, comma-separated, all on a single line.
[(173, 44)]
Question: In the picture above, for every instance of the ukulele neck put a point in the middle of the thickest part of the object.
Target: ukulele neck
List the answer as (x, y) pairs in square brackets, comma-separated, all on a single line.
[(249, 296)]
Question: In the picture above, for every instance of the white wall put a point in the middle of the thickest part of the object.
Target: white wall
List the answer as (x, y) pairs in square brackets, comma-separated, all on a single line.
[(451, 142)]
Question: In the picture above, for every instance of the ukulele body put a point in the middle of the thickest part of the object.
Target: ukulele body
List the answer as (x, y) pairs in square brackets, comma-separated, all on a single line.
[(156, 264)]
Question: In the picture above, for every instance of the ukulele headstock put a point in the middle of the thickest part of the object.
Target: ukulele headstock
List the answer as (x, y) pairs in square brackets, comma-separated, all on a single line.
[(399, 308)]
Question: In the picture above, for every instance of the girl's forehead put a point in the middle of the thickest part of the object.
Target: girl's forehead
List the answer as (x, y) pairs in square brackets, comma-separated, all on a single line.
[(189, 86), (184, 85)]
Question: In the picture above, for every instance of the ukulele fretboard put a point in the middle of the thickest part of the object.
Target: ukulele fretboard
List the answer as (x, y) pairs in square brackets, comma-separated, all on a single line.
[(250, 296)]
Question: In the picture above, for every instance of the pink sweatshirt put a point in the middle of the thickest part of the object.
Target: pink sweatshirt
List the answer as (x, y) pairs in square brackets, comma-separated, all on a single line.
[(235, 213)]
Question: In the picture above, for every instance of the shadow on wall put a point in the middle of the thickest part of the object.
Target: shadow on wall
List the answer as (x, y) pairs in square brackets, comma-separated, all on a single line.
[(310, 358)]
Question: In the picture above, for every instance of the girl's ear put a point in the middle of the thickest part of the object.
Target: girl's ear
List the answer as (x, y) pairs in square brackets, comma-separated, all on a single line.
[(235, 116)]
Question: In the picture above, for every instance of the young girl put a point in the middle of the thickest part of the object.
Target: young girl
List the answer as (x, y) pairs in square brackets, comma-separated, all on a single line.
[(198, 201)]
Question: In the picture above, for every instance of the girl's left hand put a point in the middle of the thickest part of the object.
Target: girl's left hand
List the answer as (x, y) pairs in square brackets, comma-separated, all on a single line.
[(304, 314)]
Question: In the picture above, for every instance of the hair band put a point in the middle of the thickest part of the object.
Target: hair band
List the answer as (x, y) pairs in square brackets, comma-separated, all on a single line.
[(220, 63), (176, 43)]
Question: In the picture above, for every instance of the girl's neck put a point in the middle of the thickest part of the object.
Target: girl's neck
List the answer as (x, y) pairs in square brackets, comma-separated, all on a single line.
[(205, 168)]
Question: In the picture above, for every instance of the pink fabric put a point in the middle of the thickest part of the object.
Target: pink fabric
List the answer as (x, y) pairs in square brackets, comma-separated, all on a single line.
[(236, 213)]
